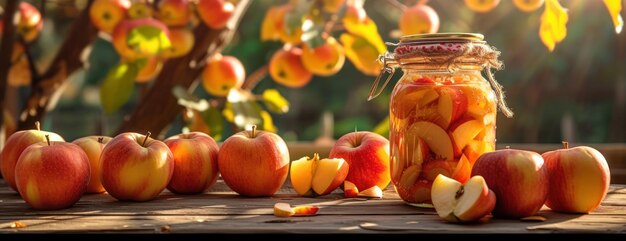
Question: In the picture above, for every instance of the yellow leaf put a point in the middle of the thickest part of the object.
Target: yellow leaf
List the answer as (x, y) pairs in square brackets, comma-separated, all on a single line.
[(274, 101), (553, 20), (363, 53), (615, 6), (268, 124)]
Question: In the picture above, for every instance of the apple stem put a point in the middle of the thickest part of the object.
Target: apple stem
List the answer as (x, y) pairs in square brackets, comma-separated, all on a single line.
[(565, 144), (253, 131), (459, 193), (38, 125), (48, 139), (316, 156), (100, 139), (145, 139)]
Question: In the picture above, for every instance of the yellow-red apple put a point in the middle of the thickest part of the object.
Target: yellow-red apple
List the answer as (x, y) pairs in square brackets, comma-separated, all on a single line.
[(52, 175), (29, 22), (481, 6), (286, 68), (136, 167), (215, 13), (528, 5), (195, 162), (316, 176), (140, 9), (324, 60), (106, 14), (519, 179), (174, 12), (221, 74), (93, 146), (457, 202), (254, 163), (182, 41), (15, 145), (135, 49), (367, 154), (579, 179), (419, 19)]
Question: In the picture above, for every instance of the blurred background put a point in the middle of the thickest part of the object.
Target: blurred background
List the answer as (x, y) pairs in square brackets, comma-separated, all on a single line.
[(577, 92)]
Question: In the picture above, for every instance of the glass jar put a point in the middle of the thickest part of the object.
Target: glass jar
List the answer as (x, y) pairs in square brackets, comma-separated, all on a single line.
[(442, 111)]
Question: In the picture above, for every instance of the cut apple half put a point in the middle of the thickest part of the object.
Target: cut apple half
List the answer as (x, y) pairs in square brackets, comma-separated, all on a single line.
[(436, 138), (373, 192), (456, 202), (320, 175)]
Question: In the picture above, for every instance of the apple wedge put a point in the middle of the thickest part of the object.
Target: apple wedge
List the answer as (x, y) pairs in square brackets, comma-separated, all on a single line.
[(452, 104), (416, 150), (456, 202), (373, 192), (432, 169), (409, 176), (436, 138), (322, 176), (349, 189), (285, 210), (465, 132)]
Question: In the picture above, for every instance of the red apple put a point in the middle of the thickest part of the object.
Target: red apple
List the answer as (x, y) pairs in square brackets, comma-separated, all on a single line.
[(92, 146), (316, 176), (254, 163), (195, 162), (367, 154), (106, 14), (136, 167), (518, 178), (15, 145), (52, 175), (457, 202), (215, 13), (579, 179), (174, 12)]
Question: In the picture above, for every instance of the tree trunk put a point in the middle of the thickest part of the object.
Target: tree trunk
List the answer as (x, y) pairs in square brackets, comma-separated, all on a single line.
[(159, 107), (66, 61)]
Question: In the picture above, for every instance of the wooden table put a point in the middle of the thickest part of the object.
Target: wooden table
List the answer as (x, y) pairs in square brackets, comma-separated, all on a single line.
[(222, 211)]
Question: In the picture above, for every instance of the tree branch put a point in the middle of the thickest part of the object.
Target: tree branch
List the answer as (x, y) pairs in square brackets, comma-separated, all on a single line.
[(159, 107), (8, 36), (81, 34)]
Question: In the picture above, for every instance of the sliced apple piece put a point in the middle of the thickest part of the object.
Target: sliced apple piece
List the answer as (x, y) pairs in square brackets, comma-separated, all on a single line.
[(481, 114), (432, 169), (452, 104), (349, 189), (465, 132), (421, 191), (322, 176), (416, 150), (474, 149), (373, 192), (436, 138), (283, 210), (456, 202), (409, 176), (301, 174), (305, 210), (463, 170), (406, 99), (397, 161), (429, 96), (488, 134)]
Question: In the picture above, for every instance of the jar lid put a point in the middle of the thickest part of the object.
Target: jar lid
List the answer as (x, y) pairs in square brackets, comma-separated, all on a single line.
[(442, 37)]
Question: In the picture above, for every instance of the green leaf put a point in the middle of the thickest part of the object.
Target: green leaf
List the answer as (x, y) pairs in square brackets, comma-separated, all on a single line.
[(186, 99), (118, 86), (382, 128), (102, 58), (275, 102), (214, 120), (148, 40), (241, 109)]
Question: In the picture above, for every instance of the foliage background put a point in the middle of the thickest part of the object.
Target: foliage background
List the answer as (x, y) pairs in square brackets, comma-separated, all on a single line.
[(577, 92)]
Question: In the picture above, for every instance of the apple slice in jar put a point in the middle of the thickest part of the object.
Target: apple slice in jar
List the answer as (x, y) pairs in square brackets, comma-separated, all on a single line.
[(435, 137)]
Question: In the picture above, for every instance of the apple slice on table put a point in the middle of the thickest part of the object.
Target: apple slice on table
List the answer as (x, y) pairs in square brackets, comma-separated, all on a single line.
[(456, 202), (349, 189), (436, 138), (452, 104), (373, 192), (318, 176), (285, 210)]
